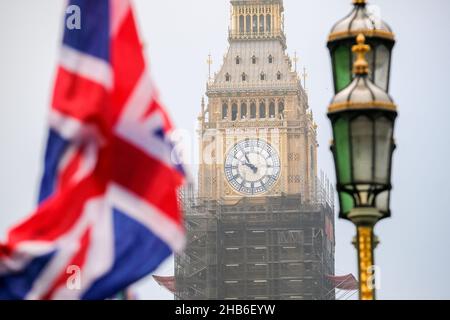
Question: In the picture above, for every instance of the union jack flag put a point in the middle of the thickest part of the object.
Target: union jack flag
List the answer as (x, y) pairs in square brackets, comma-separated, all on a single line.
[(108, 202)]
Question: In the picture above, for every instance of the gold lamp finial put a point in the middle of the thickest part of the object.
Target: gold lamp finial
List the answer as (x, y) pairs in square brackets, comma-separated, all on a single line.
[(359, 2), (361, 66)]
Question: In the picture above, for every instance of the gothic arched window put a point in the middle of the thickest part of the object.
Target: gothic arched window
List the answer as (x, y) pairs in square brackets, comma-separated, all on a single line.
[(241, 23), (234, 112), (272, 110), (279, 75), (261, 23), (227, 77), (248, 24), (224, 111), (253, 60), (262, 76), (269, 23), (243, 110), (244, 77), (270, 59), (255, 24), (238, 60), (281, 109), (262, 110), (253, 110)]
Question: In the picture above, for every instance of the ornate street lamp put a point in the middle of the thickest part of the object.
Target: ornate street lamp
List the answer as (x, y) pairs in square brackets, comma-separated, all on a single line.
[(378, 35), (363, 117)]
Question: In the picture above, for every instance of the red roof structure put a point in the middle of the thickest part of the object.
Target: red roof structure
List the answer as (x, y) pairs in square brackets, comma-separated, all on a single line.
[(347, 282), (166, 282)]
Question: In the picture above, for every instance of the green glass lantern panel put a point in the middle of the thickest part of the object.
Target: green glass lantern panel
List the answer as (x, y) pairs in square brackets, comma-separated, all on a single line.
[(342, 67), (381, 74), (383, 149), (342, 151), (347, 203), (362, 149)]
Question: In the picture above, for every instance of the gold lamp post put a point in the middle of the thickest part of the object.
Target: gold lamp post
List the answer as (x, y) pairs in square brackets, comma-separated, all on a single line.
[(363, 118)]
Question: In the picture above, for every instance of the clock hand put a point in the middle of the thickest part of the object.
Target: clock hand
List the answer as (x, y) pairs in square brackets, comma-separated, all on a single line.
[(251, 166), (246, 157)]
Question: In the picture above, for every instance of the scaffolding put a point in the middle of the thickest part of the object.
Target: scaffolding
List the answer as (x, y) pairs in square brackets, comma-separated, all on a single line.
[(276, 248)]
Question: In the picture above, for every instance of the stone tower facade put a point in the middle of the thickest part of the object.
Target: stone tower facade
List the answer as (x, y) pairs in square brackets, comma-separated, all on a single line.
[(257, 96), (260, 225)]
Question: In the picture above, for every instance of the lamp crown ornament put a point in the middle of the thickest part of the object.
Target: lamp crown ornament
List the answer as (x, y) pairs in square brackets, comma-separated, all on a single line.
[(361, 66), (377, 34)]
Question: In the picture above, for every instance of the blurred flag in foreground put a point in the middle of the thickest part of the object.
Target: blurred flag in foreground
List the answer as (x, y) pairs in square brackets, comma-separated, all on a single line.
[(108, 212)]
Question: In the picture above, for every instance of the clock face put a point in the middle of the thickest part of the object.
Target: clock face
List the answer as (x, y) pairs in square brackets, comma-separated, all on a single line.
[(252, 167)]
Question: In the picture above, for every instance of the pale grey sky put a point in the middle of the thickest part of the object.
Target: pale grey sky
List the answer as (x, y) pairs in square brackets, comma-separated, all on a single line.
[(179, 34)]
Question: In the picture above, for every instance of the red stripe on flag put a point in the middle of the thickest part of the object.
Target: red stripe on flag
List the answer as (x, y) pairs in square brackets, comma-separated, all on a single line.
[(127, 63), (77, 261), (5, 251), (149, 178), (58, 214), (155, 106), (66, 175), (82, 99)]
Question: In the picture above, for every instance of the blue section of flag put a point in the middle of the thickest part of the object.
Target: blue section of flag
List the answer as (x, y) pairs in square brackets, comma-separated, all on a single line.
[(137, 252), (93, 36), (15, 286), (160, 133), (56, 147)]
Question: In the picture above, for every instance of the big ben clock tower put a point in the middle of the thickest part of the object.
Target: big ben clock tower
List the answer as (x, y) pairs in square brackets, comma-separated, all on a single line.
[(257, 135), (260, 225)]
